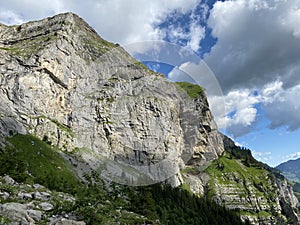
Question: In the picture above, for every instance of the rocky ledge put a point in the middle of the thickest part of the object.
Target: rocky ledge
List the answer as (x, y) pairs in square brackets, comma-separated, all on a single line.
[(24, 204)]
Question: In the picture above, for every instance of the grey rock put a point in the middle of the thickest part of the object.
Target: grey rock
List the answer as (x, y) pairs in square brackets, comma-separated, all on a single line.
[(45, 206), (43, 196), (8, 180), (36, 215), (63, 221), (138, 127), (196, 185), (30, 205), (26, 196), (38, 186), (13, 211), (4, 195)]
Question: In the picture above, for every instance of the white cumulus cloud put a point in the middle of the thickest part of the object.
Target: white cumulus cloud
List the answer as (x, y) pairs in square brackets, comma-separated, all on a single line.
[(282, 106), (258, 42), (258, 48), (295, 155), (123, 21)]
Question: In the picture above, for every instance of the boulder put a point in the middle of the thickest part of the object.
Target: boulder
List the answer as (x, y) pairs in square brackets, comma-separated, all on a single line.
[(4, 195), (8, 180), (63, 221), (13, 211), (36, 215), (43, 196), (25, 196), (45, 206)]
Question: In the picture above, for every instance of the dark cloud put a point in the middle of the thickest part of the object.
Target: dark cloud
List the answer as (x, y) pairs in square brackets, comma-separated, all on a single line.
[(258, 43), (258, 48)]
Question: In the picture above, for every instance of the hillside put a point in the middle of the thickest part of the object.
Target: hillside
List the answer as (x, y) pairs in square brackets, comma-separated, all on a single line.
[(291, 169), (82, 118)]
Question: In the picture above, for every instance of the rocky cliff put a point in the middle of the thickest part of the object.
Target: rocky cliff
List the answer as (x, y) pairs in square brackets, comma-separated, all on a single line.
[(62, 83), (260, 192)]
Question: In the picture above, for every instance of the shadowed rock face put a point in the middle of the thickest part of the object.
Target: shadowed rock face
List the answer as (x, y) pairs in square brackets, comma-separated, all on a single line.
[(63, 83)]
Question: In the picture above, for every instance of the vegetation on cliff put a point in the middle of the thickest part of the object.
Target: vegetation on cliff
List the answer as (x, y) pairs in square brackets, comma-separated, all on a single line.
[(239, 181), (30, 160), (193, 90)]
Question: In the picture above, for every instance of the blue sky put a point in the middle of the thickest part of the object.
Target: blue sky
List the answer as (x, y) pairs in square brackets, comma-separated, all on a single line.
[(251, 47)]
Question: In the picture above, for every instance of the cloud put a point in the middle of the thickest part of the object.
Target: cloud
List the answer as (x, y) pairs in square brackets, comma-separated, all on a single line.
[(258, 49), (197, 33), (282, 106), (295, 155), (241, 112), (256, 61), (21, 11), (262, 156), (186, 29), (279, 105), (116, 20), (258, 42), (9, 17)]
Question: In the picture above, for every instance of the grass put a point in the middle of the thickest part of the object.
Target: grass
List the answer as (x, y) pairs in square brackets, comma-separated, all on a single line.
[(193, 90), (247, 179), (226, 164), (62, 127), (27, 48), (190, 170), (4, 220), (96, 45), (8, 49), (59, 125), (43, 163), (187, 188)]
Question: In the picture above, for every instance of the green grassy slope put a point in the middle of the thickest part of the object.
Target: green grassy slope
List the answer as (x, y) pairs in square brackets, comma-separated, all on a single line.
[(193, 90), (28, 159)]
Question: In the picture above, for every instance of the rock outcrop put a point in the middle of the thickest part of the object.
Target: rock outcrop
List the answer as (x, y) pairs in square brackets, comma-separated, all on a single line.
[(261, 194), (61, 82), (32, 204)]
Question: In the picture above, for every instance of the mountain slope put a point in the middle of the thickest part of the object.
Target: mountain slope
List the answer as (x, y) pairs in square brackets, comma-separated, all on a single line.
[(64, 83), (239, 182), (114, 120), (291, 169)]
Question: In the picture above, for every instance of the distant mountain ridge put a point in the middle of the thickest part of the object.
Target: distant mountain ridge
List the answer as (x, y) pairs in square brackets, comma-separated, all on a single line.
[(291, 169)]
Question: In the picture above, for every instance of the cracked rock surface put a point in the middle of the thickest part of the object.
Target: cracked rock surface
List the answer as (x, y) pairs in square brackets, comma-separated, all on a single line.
[(61, 82)]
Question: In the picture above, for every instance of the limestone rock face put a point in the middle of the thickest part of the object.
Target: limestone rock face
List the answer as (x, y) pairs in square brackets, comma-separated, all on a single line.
[(63, 83), (261, 194)]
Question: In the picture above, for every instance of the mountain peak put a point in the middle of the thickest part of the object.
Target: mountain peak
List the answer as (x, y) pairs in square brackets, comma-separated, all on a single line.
[(32, 38), (77, 90), (59, 21)]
